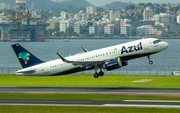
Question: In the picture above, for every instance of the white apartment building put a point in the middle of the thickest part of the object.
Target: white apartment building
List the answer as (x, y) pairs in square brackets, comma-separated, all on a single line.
[(97, 30), (127, 30), (178, 19), (64, 24), (4, 6), (109, 29), (115, 15), (147, 14), (91, 10), (163, 17)]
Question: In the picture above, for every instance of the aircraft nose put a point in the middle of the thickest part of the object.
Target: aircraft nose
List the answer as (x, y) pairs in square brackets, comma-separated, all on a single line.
[(165, 45)]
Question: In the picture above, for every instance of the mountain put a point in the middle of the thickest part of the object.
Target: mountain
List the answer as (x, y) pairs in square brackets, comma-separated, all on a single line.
[(49, 4), (117, 5)]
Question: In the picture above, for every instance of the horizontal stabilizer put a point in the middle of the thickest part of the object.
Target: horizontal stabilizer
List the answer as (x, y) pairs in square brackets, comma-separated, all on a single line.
[(29, 71)]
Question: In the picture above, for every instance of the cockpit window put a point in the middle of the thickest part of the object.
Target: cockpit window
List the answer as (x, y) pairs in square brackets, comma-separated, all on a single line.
[(156, 41)]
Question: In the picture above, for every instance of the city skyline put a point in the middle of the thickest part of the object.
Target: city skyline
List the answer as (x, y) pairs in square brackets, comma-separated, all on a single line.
[(103, 2)]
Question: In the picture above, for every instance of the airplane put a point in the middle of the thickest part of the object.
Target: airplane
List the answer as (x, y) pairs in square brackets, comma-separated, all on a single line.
[(109, 58)]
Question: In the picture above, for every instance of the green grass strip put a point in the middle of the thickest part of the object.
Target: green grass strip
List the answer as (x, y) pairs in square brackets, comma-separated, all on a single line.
[(64, 109), (87, 96), (89, 80)]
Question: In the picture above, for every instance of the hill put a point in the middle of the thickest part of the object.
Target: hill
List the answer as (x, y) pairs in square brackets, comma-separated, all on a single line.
[(49, 4), (117, 5)]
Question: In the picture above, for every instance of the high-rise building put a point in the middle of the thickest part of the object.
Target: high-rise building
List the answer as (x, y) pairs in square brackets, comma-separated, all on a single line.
[(163, 17), (64, 24), (91, 10), (115, 15), (127, 30), (147, 14), (109, 29), (4, 6), (178, 19), (97, 30), (78, 29), (64, 15)]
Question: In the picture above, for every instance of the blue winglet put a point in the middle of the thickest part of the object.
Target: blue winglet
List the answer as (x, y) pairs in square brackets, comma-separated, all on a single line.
[(85, 50), (62, 58)]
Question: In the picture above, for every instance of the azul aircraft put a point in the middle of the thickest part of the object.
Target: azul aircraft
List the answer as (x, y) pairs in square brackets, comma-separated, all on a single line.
[(108, 58)]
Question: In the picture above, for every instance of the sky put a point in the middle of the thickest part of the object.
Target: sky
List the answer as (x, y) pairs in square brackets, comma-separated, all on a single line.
[(103, 2)]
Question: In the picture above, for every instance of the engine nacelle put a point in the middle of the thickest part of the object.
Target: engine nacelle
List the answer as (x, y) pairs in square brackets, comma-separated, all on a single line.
[(114, 64)]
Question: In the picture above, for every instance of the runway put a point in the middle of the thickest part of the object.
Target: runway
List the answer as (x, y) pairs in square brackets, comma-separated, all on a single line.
[(96, 103), (92, 90), (100, 90)]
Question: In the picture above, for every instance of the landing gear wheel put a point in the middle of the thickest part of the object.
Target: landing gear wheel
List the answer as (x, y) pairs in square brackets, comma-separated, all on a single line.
[(96, 75), (101, 73), (150, 62)]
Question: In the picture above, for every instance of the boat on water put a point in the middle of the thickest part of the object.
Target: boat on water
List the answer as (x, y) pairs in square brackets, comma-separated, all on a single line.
[(66, 40)]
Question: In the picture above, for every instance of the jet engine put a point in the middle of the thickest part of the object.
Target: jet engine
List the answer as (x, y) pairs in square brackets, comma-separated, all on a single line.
[(114, 64)]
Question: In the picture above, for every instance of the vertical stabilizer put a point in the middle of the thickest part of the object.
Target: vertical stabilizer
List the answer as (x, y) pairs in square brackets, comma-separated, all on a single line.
[(25, 58)]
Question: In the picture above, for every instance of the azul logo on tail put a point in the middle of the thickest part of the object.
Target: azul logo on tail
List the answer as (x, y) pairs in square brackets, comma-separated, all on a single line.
[(131, 48), (25, 56)]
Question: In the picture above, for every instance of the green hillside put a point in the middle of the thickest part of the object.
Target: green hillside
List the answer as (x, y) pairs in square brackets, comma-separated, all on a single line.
[(117, 5), (48, 4)]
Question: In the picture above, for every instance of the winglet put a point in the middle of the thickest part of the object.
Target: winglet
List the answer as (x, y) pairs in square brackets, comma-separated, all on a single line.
[(62, 58), (84, 49)]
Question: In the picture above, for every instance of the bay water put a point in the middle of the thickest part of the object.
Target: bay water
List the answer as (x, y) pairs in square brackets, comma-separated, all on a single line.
[(164, 62)]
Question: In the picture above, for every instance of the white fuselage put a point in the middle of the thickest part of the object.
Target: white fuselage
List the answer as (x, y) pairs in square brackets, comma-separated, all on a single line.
[(125, 51)]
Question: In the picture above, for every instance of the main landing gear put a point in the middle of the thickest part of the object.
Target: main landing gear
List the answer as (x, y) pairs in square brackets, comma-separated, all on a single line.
[(150, 61), (96, 75)]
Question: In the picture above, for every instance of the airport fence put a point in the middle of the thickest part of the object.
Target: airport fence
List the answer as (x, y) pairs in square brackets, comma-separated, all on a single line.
[(139, 72), (118, 71)]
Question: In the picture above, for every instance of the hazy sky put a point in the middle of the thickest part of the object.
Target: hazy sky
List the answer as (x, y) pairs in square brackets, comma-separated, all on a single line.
[(102, 2)]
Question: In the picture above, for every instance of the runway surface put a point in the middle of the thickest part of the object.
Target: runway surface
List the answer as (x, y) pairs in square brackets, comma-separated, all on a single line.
[(108, 90), (88, 90), (103, 103)]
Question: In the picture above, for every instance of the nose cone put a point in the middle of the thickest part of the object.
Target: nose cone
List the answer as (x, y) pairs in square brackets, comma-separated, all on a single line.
[(165, 45)]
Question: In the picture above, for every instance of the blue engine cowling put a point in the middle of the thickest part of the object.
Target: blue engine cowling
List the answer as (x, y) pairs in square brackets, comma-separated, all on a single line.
[(114, 64)]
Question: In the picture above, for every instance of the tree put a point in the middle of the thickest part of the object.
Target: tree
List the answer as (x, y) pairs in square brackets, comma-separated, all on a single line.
[(132, 7), (149, 4), (89, 24), (69, 29), (127, 8), (157, 11), (142, 4)]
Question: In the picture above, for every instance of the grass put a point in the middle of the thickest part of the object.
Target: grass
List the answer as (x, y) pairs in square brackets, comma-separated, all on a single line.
[(63, 109), (89, 80)]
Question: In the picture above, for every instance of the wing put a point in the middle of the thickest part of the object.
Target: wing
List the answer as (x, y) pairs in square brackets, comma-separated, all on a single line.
[(83, 63)]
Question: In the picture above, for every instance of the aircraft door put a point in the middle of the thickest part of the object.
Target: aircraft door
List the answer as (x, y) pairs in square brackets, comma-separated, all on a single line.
[(146, 45), (45, 69)]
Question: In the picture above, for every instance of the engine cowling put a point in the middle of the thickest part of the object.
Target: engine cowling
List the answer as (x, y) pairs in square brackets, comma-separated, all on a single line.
[(114, 64)]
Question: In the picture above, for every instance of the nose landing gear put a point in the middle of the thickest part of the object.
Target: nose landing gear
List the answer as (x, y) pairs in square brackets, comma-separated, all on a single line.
[(150, 61)]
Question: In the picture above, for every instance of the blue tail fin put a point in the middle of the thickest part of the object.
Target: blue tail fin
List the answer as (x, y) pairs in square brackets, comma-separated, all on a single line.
[(25, 58)]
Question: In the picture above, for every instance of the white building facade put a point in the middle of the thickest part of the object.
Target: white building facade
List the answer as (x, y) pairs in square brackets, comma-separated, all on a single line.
[(147, 14), (91, 10)]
